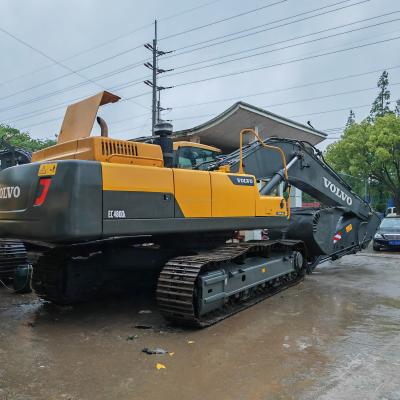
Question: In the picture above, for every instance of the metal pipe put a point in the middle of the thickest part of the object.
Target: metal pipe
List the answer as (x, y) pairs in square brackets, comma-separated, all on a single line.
[(103, 126), (277, 178)]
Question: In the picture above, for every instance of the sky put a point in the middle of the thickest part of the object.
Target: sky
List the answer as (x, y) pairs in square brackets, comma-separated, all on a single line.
[(275, 54)]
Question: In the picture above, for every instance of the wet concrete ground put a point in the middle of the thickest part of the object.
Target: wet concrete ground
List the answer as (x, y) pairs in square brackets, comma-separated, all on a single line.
[(334, 336)]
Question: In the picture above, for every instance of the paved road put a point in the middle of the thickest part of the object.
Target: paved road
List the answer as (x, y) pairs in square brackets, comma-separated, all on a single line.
[(334, 336)]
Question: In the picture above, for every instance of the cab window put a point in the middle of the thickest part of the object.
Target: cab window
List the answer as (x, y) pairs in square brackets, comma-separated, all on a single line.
[(193, 157)]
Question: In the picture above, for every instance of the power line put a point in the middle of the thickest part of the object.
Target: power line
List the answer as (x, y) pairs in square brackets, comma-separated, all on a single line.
[(296, 38), (223, 20), (326, 96), (388, 68), (43, 54), (142, 94), (61, 105), (304, 100), (266, 25), (292, 116), (111, 41), (293, 61), (277, 49), (139, 63), (141, 127), (92, 80), (115, 72), (288, 88), (60, 118), (64, 90), (330, 111), (284, 62), (137, 81)]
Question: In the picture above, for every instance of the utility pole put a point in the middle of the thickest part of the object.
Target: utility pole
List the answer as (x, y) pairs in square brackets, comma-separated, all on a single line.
[(156, 107), (155, 64)]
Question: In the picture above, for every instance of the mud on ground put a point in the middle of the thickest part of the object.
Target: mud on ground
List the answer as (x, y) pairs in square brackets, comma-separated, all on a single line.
[(334, 336)]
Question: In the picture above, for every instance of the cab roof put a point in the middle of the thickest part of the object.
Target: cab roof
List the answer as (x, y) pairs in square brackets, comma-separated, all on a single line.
[(184, 143)]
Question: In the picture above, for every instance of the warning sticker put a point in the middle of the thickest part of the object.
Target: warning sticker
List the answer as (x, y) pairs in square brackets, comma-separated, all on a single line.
[(47, 169)]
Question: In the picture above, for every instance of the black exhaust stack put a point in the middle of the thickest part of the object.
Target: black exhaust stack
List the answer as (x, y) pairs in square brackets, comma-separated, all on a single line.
[(163, 132)]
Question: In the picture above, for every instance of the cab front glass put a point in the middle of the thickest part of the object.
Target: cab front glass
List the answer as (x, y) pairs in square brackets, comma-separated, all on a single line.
[(188, 157)]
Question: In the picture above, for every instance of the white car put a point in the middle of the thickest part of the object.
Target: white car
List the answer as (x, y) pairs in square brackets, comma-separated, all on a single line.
[(391, 212)]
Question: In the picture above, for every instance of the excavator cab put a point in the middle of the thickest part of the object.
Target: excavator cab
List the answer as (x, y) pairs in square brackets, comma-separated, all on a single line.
[(190, 155)]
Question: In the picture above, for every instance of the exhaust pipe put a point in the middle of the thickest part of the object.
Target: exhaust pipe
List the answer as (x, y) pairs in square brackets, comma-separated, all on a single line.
[(103, 126)]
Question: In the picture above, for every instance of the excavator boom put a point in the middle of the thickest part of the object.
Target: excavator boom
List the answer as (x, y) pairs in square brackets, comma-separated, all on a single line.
[(346, 222)]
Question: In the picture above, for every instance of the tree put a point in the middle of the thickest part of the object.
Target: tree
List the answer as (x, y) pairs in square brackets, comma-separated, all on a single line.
[(22, 140), (351, 118), (380, 106), (371, 150)]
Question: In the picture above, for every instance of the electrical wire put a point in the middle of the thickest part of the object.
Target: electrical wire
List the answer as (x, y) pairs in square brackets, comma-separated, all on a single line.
[(59, 91), (271, 92), (277, 49), (296, 38), (287, 88), (140, 80), (43, 54), (301, 101), (331, 111), (112, 57), (177, 53), (283, 63), (139, 63), (95, 47), (127, 99), (222, 20)]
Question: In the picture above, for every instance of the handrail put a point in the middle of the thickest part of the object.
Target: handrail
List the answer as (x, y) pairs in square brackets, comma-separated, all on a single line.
[(278, 149)]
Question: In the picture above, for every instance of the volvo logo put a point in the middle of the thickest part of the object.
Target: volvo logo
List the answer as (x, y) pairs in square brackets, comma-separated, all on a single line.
[(7, 192), (245, 181), (242, 180), (337, 191)]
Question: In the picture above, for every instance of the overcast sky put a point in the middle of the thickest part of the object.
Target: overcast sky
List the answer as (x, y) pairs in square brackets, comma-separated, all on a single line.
[(98, 37)]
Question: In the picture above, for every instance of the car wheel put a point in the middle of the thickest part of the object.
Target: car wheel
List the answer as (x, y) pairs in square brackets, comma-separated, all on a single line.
[(376, 248)]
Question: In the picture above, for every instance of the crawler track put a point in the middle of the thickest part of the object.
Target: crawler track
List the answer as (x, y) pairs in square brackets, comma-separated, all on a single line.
[(51, 278), (12, 254), (177, 284)]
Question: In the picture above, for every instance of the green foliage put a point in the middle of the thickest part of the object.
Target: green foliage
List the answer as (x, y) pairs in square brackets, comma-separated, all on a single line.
[(371, 150), (380, 106), (22, 140)]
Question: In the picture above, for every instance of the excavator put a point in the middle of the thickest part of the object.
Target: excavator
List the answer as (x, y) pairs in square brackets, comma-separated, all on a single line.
[(95, 207)]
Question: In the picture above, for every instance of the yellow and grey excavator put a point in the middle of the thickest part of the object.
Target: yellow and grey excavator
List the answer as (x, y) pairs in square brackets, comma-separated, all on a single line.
[(96, 207)]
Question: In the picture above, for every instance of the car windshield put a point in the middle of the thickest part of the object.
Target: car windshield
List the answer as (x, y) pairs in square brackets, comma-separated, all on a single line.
[(390, 223)]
